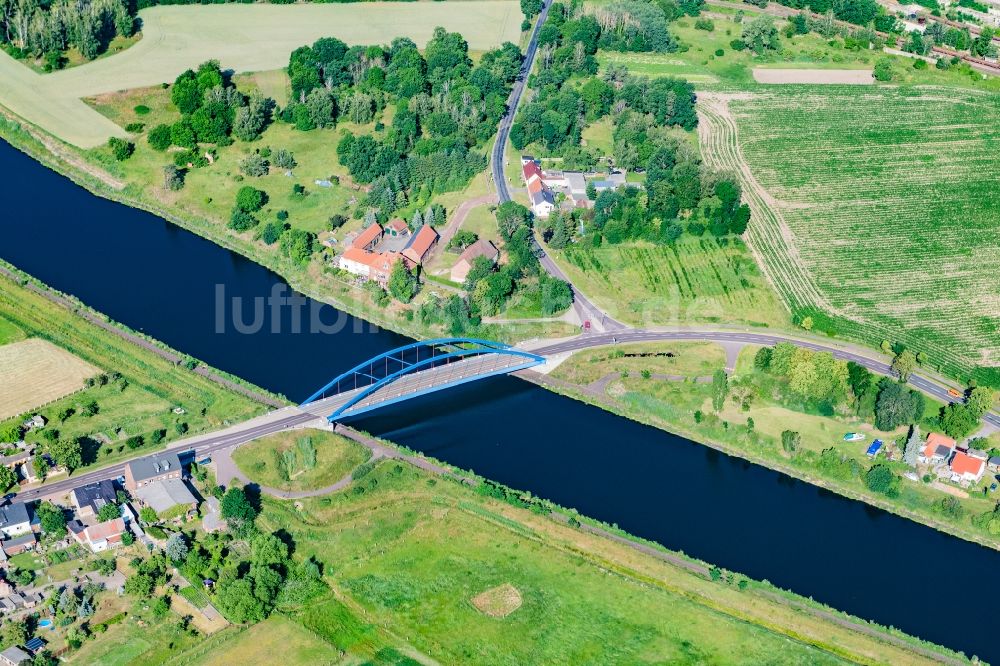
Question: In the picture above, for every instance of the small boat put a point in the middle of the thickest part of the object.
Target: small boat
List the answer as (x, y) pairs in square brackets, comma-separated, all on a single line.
[(874, 448), (854, 436)]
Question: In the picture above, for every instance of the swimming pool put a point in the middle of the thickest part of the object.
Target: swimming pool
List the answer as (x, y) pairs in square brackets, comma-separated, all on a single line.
[(42, 624)]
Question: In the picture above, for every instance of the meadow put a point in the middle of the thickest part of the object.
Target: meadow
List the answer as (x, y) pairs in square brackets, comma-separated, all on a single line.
[(410, 557), (697, 280), (884, 211), (279, 460), (244, 38)]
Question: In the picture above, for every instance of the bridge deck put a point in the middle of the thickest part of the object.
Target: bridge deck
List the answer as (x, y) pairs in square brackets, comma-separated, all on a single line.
[(417, 383)]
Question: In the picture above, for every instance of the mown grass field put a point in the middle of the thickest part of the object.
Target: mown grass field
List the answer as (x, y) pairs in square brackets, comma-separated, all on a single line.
[(688, 359), (407, 554), (261, 644), (154, 386), (336, 456), (36, 372), (9, 333), (890, 206), (698, 280)]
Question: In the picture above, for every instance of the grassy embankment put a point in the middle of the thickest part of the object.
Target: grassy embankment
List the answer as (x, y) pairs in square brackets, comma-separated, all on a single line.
[(283, 460), (671, 405), (140, 404)]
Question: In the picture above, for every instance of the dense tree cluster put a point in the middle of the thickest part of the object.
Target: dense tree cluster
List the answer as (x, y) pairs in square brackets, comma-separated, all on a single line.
[(443, 107), (37, 27), (858, 12)]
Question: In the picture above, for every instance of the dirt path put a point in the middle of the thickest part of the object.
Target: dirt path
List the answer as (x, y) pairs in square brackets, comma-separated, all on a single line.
[(458, 219)]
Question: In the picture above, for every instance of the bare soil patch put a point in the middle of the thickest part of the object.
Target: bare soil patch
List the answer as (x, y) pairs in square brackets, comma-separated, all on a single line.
[(498, 601), (804, 76), (35, 372)]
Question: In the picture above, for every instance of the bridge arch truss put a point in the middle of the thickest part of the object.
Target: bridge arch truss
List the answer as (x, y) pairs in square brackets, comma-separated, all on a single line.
[(413, 370)]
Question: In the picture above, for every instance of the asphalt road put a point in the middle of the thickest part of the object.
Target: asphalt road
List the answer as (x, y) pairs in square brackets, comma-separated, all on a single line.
[(584, 307), (600, 339)]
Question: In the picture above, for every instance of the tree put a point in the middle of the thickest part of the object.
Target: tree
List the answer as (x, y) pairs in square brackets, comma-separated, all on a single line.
[(255, 165), (10, 433), (904, 364), (283, 159), (139, 585), (402, 283), (268, 550), (68, 452), (7, 477), (121, 149), (720, 389), (883, 70), (762, 359), (236, 508), (881, 479), (159, 137), (980, 400), (761, 35), (109, 511), (51, 518), (177, 547), (790, 441), (531, 8), (250, 199), (237, 600), (147, 514), (14, 632), (297, 244), (173, 178), (894, 406), (41, 466), (510, 217)]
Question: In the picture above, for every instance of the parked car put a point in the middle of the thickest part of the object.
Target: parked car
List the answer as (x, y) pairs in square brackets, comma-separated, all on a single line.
[(954, 393)]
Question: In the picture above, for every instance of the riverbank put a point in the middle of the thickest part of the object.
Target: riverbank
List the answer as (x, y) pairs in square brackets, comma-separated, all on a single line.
[(599, 393)]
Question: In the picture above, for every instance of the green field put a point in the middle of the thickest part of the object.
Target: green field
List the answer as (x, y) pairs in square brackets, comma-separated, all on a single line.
[(698, 280), (262, 460), (244, 38), (154, 386), (408, 554), (260, 644), (883, 209), (9, 332)]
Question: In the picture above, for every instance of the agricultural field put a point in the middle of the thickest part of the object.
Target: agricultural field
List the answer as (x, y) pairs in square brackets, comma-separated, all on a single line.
[(698, 280), (244, 38), (259, 645), (882, 212), (435, 578), (137, 404), (36, 372), (284, 460)]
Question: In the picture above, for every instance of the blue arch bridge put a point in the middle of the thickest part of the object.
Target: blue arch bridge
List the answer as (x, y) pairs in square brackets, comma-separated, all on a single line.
[(414, 370)]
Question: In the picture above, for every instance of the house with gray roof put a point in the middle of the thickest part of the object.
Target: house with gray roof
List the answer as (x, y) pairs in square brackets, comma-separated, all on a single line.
[(88, 499), (15, 520), (158, 467)]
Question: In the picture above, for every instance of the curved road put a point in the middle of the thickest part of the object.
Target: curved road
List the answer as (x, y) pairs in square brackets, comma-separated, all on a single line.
[(586, 310), (919, 382)]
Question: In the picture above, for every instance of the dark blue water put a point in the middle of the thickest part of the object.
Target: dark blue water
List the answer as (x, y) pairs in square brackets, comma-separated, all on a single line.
[(162, 280)]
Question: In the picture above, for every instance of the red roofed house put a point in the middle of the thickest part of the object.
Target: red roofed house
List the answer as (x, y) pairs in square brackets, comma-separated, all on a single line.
[(366, 239), (531, 172), (420, 244), (967, 469), (481, 248), (99, 537), (937, 449), (368, 265)]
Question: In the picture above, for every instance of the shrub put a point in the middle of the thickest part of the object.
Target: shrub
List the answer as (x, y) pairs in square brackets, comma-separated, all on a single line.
[(704, 24), (255, 165), (250, 199), (719, 53), (271, 233), (283, 159), (141, 110), (135, 128), (159, 137), (120, 148), (883, 70), (737, 45), (240, 220), (919, 64)]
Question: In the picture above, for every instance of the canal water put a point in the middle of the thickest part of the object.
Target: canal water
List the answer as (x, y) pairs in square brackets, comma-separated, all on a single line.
[(160, 279)]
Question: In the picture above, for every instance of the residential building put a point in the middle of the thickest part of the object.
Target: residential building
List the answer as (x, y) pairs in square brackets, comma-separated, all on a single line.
[(420, 244), (481, 248), (994, 464), (967, 469), (166, 494), (15, 520), (14, 656), (158, 467), (19, 544), (88, 499), (937, 449), (101, 536), (542, 201), (368, 265)]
